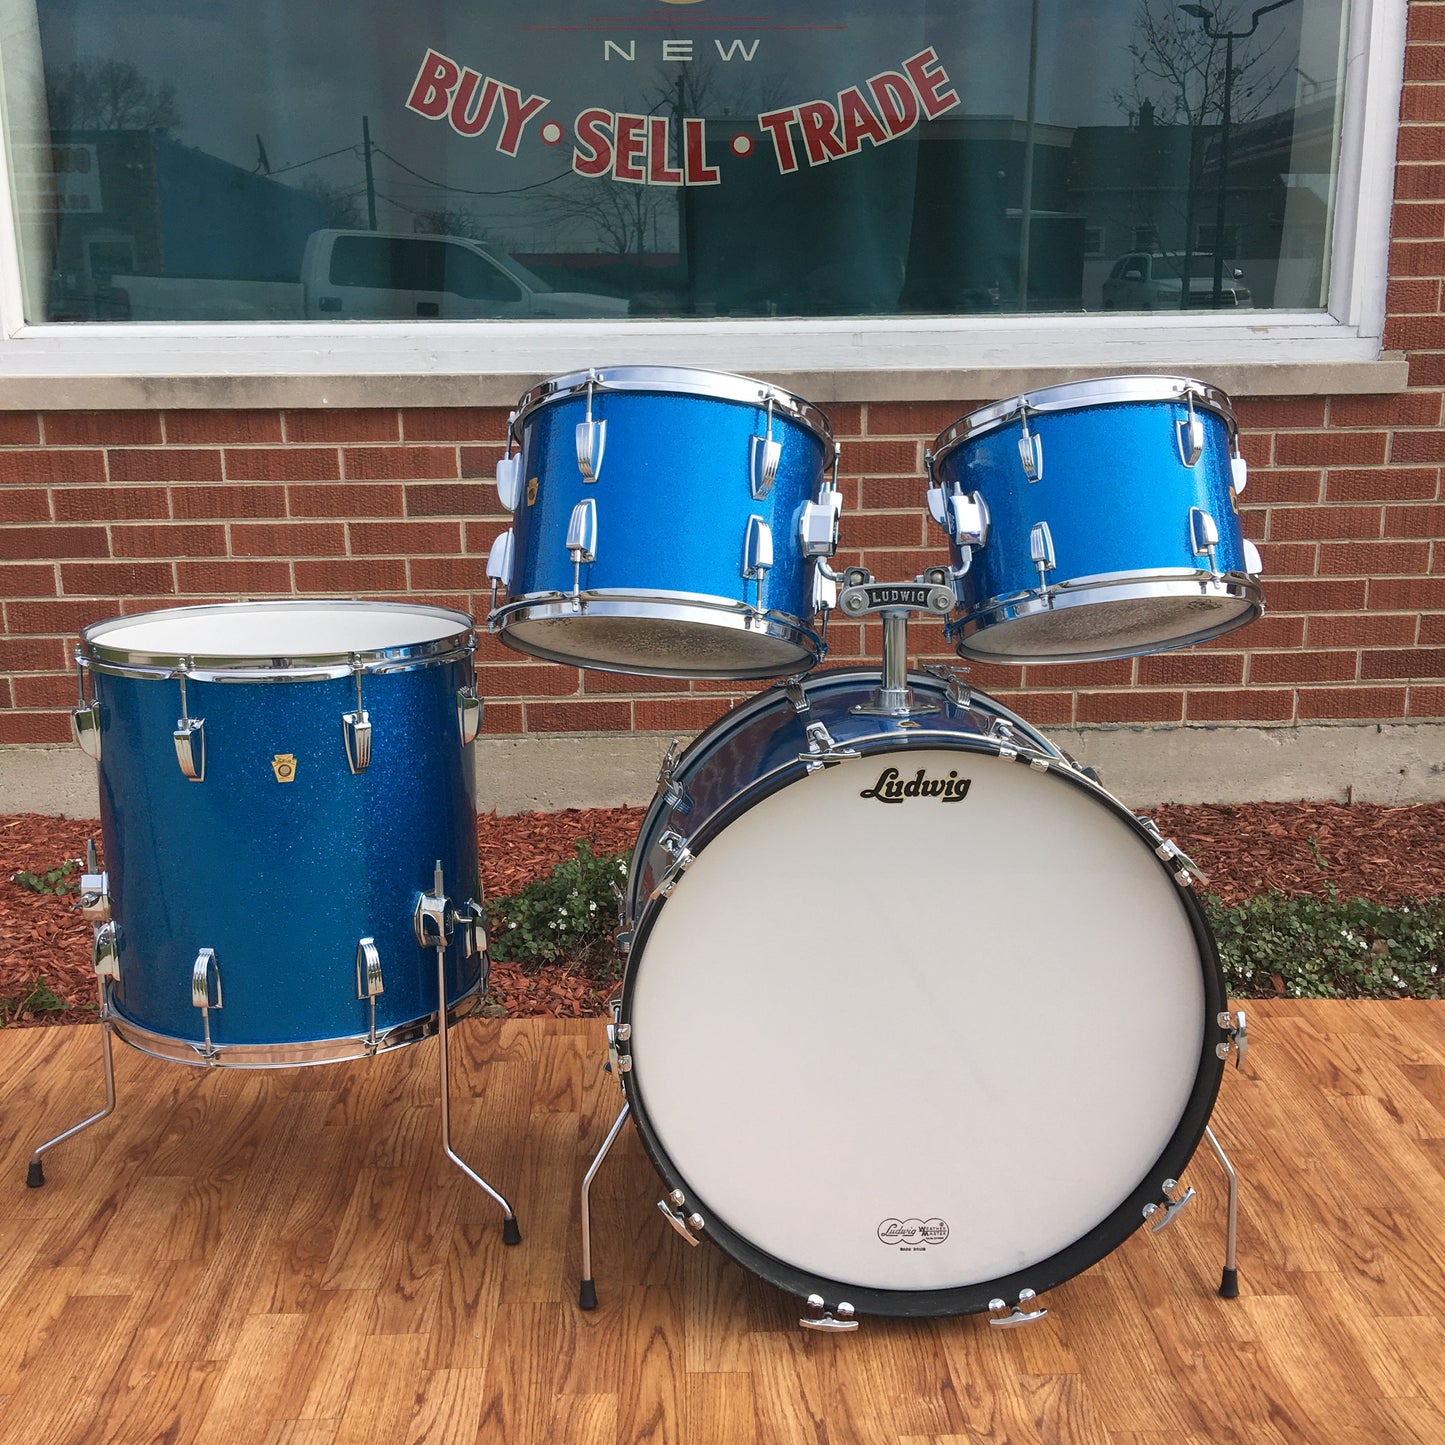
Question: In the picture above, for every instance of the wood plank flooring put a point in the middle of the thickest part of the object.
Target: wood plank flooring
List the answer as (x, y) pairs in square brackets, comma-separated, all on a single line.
[(285, 1257)]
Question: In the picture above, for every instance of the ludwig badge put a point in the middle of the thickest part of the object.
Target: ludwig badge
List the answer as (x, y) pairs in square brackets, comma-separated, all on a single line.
[(284, 766)]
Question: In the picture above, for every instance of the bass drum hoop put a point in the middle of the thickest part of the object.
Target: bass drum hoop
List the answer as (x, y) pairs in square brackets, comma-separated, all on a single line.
[(1090, 1248)]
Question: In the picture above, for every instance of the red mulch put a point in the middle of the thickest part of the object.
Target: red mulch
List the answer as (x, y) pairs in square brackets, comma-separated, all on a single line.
[(1362, 849)]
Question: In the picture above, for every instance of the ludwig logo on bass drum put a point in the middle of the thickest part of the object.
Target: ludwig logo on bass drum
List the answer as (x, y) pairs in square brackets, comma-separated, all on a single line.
[(912, 1234), (890, 787)]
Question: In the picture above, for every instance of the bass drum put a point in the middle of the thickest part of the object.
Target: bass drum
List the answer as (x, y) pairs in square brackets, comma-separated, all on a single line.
[(917, 1016)]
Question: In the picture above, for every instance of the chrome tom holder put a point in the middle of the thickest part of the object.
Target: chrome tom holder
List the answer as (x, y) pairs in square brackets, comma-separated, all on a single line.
[(894, 602)]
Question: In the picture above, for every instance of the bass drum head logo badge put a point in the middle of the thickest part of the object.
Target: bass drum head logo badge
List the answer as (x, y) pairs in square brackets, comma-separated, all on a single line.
[(284, 766), (912, 1234), (892, 787)]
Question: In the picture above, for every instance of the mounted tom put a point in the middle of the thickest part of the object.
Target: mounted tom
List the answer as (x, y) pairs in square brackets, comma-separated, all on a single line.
[(667, 521), (1097, 519)]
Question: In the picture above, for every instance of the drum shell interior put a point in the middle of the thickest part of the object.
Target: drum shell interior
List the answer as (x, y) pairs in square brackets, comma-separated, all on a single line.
[(283, 879)]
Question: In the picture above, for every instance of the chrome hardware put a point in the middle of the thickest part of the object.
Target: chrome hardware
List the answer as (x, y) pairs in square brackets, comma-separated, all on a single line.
[(757, 555), (368, 983), (509, 481), (469, 919), (818, 522), (85, 717), (430, 921), (1229, 1279), (1238, 1030), (682, 1224), (623, 937), (499, 563), (675, 846), (469, 714), (1203, 534), (105, 951), (201, 972), (1041, 550), (1031, 449), (1169, 1207), (94, 901), (1018, 1315), (581, 543), (764, 454), (356, 727), (673, 793), (797, 694), (839, 1318), (823, 750), (1189, 434), (1001, 731), (963, 516), (1253, 562), (825, 592), (591, 439), (959, 692), (190, 739), (1239, 473), (587, 1290), (1173, 854)]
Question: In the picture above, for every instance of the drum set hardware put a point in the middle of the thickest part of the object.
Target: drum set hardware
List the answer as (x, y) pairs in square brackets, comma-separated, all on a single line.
[(894, 602), (839, 1318), (1001, 1317)]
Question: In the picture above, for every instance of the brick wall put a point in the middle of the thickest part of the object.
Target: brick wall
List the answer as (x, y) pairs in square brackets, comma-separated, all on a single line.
[(124, 511)]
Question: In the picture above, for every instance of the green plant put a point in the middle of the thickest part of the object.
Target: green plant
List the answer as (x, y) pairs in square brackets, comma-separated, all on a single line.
[(55, 880), (1308, 947), (568, 916), (41, 999)]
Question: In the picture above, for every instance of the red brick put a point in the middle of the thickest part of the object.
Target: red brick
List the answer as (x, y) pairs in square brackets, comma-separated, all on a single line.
[(1422, 102), (34, 727), (166, 464), (1290, 559), (1417, 446), (502, 719), (479, 536), (537, 679), (1241, 705), (1192, 669), (50, 467), (1277, 667), (226, 503), (1127, 707), (176, 540), (1257, 448), (1329, 448), (886, 529), (1427, 369), (20, 543), (1420, 182), (1424, 23), (579, 717), (44, 690), (452, 499), (915, 418), (24, 504), (399, 463), (112, 578), (458, 423), (1253, 521), (1423, 62), (1271, 413), (894, 494), (1115, 672), (18, 580), (1374, 559), (1270, 485), (677, 714), (1331, 596), (343, 425), (489, 648), (1398, 594), (1382, 484), (1408, 408), (1414, 297), (1415, 521), (282, 464), (110, 504), (1427, 702), (19, 429), (348, 500), (1417, 258), (359, 574), (288, 539), (597, 683), (33, 654), (1427, 663), (871, 458), (101, 428), (1335, 703), (241, 579), (448, 573), (889, 566), (1300, 524), (1364, 629), (63, 615), (219, 428), (1415, 333), (481, 461), (405, 539), (1043, 709)]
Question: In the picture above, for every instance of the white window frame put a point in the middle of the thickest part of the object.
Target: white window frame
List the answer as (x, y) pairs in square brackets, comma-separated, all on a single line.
[(836, 359)]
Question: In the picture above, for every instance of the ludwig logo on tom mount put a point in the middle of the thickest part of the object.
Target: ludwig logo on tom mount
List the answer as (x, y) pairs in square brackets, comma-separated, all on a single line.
[(913, 1233), (890, 787)]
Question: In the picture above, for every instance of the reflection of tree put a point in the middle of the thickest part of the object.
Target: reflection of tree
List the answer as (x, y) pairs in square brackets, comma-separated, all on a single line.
[(109, 95), (620, 217), (452, 221), (344, 211), (1178, 81)]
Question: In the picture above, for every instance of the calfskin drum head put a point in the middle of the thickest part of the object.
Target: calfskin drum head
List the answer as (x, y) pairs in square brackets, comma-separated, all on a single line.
[(915, 1042)]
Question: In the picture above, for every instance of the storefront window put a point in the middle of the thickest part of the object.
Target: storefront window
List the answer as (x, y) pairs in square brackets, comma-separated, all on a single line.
[(174, 160)]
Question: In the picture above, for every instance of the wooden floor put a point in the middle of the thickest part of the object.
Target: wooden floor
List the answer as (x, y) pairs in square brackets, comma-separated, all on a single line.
[(238, 1257)]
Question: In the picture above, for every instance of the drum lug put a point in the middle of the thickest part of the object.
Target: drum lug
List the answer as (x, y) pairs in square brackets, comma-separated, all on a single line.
[(591, 439), (1041, 550), (839, 1318), (369, 983), (668, 788), (1237, 1032), (1031, 449), (1184, 866), (94, 901), (105, 951), (581, 544), (1169, 1207), (757, 555), (764, 454), (959, 692), (675, 846), (201, 972), (689, 1226), (85, 728), (356, 726), (499, 563), (1189, 434), (797, 695), (823, 750), (1253, 562), (509, 481), (1203, 535), (469, 714), (1239, 473), (190, 743), (1018, 1315)]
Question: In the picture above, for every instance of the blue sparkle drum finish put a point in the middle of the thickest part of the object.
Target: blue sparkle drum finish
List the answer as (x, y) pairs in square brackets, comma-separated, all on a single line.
[(659, 524), (298, 873), (1093, 520)]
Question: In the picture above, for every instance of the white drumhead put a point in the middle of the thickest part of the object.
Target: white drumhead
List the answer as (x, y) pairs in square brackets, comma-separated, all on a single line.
[(301, 628), (979, 1020)]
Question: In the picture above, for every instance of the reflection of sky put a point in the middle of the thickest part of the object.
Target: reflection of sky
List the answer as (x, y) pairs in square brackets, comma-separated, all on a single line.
[(301, 73)]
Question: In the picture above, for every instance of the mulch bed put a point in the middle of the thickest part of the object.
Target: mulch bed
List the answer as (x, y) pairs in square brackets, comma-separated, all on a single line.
[(1360, 849)]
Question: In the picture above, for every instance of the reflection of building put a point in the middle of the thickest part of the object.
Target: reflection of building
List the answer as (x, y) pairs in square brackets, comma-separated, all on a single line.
[(159, 208)]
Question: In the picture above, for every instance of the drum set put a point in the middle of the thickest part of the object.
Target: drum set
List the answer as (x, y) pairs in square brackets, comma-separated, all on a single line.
[(915, 1017)]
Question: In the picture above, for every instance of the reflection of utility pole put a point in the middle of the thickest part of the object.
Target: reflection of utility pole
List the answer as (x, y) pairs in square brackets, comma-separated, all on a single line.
[(370, 183), (1207, 19), (1027, 216)]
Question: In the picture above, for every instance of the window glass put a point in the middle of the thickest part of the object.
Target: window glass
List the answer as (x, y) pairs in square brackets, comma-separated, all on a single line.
[(684, 158)]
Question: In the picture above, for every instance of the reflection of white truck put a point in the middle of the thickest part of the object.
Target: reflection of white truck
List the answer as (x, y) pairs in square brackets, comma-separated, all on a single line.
[(364, 276)]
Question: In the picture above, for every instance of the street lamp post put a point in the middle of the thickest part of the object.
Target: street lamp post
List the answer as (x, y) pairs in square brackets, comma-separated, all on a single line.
[(1207, 19)]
